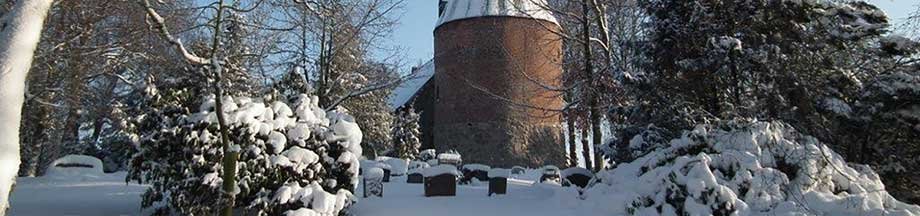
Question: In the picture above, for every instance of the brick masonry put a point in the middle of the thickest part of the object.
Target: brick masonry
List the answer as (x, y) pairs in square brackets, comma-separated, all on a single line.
[(489, 98)]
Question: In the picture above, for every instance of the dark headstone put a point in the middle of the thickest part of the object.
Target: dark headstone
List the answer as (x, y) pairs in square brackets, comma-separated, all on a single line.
[(550, 177), (498, 185), (386, 175), (441, 185), (469, 175), (577, 176), (578, 180), (415, 178)]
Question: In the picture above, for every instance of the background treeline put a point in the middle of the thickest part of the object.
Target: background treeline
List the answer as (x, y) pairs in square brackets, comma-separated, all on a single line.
[(100, 64)]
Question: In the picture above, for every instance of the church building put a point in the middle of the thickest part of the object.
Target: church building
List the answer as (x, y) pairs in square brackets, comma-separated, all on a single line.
[(489, 91)]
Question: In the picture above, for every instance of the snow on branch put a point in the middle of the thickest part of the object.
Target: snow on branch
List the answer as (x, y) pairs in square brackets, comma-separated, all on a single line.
[(160, 24)]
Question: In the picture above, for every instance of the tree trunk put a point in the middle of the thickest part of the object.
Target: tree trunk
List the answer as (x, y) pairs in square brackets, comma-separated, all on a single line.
[(586, 148), (36, 134), (589, 91), (597, 135), (19, 36), (573, 155), (231, 151), (70, 134)]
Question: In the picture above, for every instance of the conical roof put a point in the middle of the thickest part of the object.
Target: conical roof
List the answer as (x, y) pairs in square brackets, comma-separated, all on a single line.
[(464, 9)]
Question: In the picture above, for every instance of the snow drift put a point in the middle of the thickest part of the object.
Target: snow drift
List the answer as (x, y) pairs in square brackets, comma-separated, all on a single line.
[(743, 168)]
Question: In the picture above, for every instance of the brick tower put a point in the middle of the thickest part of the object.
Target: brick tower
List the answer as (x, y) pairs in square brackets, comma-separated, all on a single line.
[(493, 61)]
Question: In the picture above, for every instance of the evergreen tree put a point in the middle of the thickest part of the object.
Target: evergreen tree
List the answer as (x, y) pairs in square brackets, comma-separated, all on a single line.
[(406, 134), (283, 151), (820, 66)]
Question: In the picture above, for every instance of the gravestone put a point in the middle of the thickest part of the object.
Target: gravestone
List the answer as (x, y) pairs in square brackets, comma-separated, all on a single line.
[(551, 174), (441, 180), (475, 171), (450, 159), (576, 176), (373, 182), (415, 178), (498, 181)]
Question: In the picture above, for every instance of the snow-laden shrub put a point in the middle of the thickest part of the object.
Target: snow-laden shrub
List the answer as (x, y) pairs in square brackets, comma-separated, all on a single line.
[(744, 168), (301, 160)]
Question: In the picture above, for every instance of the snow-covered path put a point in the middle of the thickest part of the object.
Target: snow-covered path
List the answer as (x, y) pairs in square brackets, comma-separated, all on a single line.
[(99, 195), (523, 198)]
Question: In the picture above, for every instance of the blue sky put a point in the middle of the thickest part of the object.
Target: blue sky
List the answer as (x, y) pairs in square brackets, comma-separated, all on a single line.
[(415, 32)]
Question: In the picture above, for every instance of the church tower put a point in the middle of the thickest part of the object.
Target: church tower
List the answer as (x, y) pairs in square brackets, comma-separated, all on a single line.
[(495, 61)]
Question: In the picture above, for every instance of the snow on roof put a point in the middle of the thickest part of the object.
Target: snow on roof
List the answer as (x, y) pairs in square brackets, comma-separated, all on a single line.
[(404, 92), (463, 9)]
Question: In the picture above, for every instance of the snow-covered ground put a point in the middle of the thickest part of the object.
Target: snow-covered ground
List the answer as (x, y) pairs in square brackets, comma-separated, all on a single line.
[(108, 194), (524, 197), (105, 194), (738, 168)]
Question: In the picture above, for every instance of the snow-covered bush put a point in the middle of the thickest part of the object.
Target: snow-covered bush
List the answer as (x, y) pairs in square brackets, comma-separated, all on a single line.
[(291, 161), (744, 168)]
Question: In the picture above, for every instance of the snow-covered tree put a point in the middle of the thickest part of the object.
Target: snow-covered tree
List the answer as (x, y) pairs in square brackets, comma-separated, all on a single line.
[(724, 59), (91, 62), (298, 158), (884, 124), (370, 110), (20, 31), (406, 134), (812, 64)]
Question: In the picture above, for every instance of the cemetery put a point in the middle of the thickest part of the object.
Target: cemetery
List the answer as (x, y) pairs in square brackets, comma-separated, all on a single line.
[(443, 181)]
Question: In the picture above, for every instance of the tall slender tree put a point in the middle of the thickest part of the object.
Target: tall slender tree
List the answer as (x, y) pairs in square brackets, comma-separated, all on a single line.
[(20, 31)]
